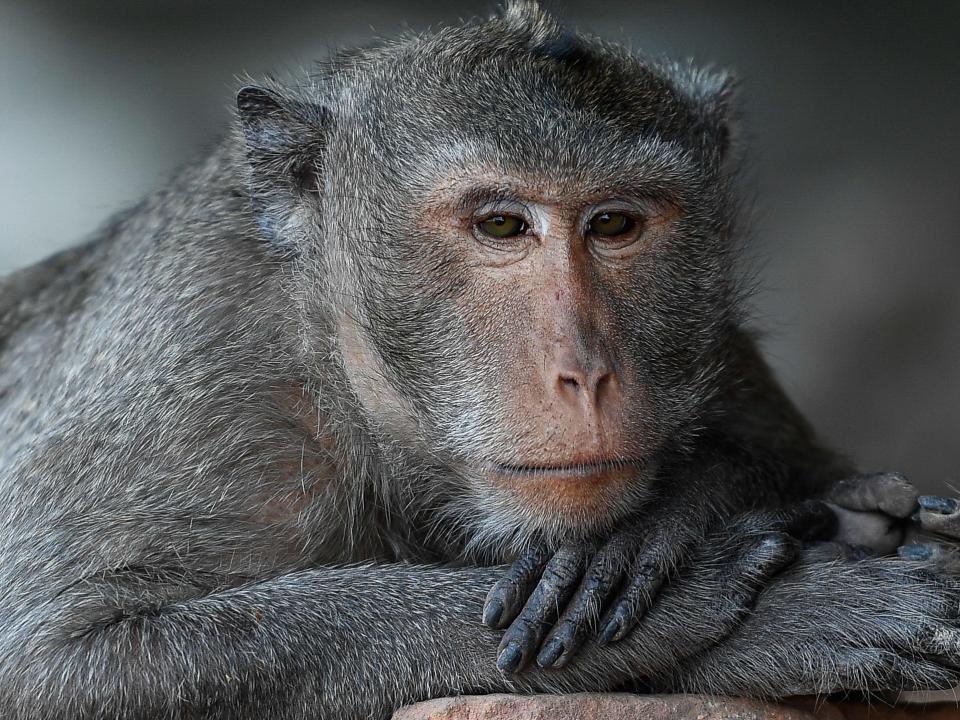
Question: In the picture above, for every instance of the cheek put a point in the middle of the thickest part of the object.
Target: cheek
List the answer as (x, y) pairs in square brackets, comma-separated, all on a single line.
[(500, 327), (678, 339), (366, 372)]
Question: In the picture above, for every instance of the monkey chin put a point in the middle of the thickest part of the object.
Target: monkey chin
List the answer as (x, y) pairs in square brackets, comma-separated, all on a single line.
[(568, 501)]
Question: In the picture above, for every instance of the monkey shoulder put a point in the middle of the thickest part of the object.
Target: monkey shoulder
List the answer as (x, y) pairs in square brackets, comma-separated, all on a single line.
[(151, 404)]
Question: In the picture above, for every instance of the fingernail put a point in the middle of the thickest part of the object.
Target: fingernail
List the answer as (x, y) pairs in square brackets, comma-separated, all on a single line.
[(509, 659), (933, 503), (915, 552), (550, 654), (492, 612), (609, 631)]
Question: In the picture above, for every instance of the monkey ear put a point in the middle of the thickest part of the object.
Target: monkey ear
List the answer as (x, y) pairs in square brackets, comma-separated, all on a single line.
[(716, 97), (284, 141), (723, 105)]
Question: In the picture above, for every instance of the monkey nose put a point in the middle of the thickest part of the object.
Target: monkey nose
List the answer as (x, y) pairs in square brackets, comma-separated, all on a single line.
[(587, 388)]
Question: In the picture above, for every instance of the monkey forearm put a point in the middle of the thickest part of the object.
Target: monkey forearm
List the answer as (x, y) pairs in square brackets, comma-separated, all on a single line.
[(359, 642), (333, 643)]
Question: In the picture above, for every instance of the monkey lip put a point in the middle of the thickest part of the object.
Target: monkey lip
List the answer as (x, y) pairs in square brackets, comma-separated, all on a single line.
[(588, 470)]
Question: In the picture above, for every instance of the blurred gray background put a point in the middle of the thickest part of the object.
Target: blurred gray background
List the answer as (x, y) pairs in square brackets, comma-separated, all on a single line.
[(852, 112)]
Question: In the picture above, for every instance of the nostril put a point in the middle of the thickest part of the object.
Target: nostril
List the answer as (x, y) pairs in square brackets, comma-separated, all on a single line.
[(606, 387), (604, 380), (586, 387)]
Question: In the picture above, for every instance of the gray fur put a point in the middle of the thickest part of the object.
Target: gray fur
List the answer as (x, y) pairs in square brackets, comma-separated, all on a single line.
[(200, 517)]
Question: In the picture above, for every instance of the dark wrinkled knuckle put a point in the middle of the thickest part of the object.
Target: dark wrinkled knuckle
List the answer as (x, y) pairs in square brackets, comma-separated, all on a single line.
[(602, 566), (625, 609), (646, 566), (560, 575), (571, 553), (588, 597), (564, 630), (639, 585)]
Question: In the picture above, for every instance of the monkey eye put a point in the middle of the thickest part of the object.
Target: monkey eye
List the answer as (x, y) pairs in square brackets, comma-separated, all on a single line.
[(610, 224), (503, 226)]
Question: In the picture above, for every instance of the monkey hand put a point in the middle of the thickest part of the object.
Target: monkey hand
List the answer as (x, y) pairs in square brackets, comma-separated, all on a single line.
[(876, 512), (873, 511), (940, 517), (565, 592), (828, 625)]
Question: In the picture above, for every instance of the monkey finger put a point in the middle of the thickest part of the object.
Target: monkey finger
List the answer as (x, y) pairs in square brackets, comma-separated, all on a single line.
[(604, 573), (647, 576), (772, 533), (726, 590), (556, 585), (749, 572), (941, 557), (889, 493), (507, 596), (939, 515), (651, 570)]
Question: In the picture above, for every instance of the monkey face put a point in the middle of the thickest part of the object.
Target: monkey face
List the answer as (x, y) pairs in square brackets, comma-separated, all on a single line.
[(537, 336), (544, 276), (545, 339), (524, 258)]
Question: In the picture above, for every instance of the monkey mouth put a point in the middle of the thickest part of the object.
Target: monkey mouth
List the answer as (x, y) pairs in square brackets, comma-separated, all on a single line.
[(587, 470)]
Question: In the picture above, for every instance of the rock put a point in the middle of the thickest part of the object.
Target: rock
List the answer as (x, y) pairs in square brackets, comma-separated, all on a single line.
[(596, 706), (625, 706)]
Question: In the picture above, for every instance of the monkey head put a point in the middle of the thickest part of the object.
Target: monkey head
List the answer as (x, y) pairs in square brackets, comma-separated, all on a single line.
[(515, 241)]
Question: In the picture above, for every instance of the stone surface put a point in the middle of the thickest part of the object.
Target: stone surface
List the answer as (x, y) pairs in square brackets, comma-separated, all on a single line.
[(624, 706)]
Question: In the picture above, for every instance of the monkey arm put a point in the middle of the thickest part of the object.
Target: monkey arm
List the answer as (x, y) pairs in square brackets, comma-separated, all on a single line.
[(825, 626), (360, 641), (355, 642)]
